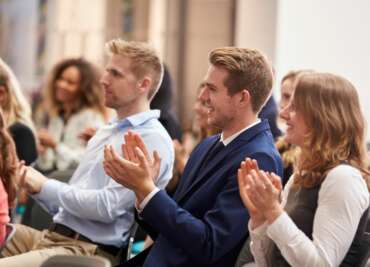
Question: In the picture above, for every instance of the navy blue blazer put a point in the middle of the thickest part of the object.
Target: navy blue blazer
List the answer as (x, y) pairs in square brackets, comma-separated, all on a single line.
[(206, 224)]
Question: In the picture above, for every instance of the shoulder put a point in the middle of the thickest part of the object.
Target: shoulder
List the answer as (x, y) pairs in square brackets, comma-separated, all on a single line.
[(345, 183), (88, 112)]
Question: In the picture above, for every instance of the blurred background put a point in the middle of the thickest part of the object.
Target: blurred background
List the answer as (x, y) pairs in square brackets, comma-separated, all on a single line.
[(329, 35)]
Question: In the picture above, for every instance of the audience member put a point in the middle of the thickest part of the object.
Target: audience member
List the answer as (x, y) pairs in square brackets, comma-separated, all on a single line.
[(201, 130), (163, 101), (287, 151), (17, 115), (73, 101), (322, 216), (8, 175), (93, 213), (205, 223), (270, 112)]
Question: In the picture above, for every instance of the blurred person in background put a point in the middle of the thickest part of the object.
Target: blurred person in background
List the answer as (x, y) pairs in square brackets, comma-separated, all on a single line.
[(163, 101), (73, 101), (17, 114), (288, 152), (18, 119)]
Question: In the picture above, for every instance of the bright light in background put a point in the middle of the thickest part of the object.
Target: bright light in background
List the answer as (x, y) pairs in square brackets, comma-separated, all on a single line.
[(330, 36)]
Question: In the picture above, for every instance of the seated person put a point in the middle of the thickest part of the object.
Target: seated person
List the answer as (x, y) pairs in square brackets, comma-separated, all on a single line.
[(93, 213), (73, 101), (204, 224), (324, 208)]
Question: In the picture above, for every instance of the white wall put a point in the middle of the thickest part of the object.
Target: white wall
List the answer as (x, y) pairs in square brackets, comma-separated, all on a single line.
[(330, 35)]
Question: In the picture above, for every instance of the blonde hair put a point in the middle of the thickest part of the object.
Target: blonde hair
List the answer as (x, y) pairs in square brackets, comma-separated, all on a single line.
[(144, 61), (17, 109), (331, 109), (248, 69)]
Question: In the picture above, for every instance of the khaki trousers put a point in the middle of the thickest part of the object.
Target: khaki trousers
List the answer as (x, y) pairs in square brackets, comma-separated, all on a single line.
[(30, 247)]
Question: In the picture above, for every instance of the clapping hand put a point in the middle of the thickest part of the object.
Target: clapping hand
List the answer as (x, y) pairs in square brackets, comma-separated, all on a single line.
[(260, 192), (137, 170)]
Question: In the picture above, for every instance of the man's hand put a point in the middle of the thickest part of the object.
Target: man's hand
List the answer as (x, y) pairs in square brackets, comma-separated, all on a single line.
[(137, 171), (30, 179)]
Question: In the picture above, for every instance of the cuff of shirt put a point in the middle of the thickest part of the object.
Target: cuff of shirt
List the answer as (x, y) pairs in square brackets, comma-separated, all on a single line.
[(280, 231), (140, 206), (49, 191), (258, 232)]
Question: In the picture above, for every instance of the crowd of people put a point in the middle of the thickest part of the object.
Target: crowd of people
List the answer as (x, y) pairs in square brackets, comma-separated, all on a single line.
[(104, 149)]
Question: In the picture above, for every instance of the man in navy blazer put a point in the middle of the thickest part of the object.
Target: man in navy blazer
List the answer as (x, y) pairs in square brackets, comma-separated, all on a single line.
[(206, 223)]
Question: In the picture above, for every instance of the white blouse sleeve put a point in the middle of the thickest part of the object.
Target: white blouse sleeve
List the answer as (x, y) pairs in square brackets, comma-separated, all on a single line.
[(259, 238), (342, 199)]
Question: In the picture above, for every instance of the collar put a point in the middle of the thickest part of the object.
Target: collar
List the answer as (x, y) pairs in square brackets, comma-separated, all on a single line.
[(136, 119), (235, 135)]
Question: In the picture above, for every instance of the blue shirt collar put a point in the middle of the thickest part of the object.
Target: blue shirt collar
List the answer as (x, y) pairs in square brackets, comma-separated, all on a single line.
[(137, 119)]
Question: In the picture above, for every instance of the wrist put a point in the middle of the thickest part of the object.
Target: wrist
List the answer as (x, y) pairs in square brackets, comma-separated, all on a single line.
[(273, 213), (256, 222), (142, 192)]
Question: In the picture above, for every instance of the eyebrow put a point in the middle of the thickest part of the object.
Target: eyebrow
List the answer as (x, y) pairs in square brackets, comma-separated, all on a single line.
[(114, 70)]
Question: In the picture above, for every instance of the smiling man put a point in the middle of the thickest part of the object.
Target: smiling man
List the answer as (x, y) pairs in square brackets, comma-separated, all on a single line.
[(206, 223), (93, 213)]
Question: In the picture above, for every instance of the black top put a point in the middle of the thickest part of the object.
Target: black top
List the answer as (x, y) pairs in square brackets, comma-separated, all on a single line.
[(25, 142)]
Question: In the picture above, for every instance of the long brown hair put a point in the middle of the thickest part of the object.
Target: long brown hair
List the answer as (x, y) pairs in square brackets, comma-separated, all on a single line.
[(331, 109), (8, 161)]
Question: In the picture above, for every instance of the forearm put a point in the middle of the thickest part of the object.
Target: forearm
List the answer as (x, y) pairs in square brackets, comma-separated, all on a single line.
[(103, 205)]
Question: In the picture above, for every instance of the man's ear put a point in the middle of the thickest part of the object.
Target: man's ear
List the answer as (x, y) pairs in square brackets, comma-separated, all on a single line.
[(145, 84), (245, 98)]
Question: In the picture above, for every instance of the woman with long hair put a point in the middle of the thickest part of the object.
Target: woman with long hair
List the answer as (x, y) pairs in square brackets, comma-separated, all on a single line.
[(17, 115), (322, 216), (73, 101)]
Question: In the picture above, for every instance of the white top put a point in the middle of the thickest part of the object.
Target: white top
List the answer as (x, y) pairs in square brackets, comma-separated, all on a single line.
[(343, 197), (70, 147)]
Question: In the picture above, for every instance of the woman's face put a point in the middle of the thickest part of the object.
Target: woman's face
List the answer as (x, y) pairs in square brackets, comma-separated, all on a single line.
[(201, 112), (296, 126), (286, 92), (67, 85)]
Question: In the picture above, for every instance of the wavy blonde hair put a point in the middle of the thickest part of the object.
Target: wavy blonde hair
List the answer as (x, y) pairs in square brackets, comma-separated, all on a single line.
[(331, 110), (17, 109)]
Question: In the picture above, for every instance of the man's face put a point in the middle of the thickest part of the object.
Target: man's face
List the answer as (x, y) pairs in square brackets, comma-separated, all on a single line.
[(221, 107), (120, 85)]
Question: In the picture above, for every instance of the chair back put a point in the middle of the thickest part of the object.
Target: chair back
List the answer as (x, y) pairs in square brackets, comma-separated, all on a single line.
[(365, 250), (76, 261)]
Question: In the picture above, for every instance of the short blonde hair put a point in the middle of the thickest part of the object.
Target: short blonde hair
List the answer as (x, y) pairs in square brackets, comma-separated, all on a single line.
[(248, 69), (144, 61)]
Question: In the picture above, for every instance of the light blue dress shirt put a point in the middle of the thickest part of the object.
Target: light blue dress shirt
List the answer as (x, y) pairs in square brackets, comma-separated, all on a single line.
[(93, 204)]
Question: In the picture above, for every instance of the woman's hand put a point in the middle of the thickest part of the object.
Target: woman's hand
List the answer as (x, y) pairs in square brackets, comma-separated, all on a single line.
[(244, 180), (264, 193), (46, 139)]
